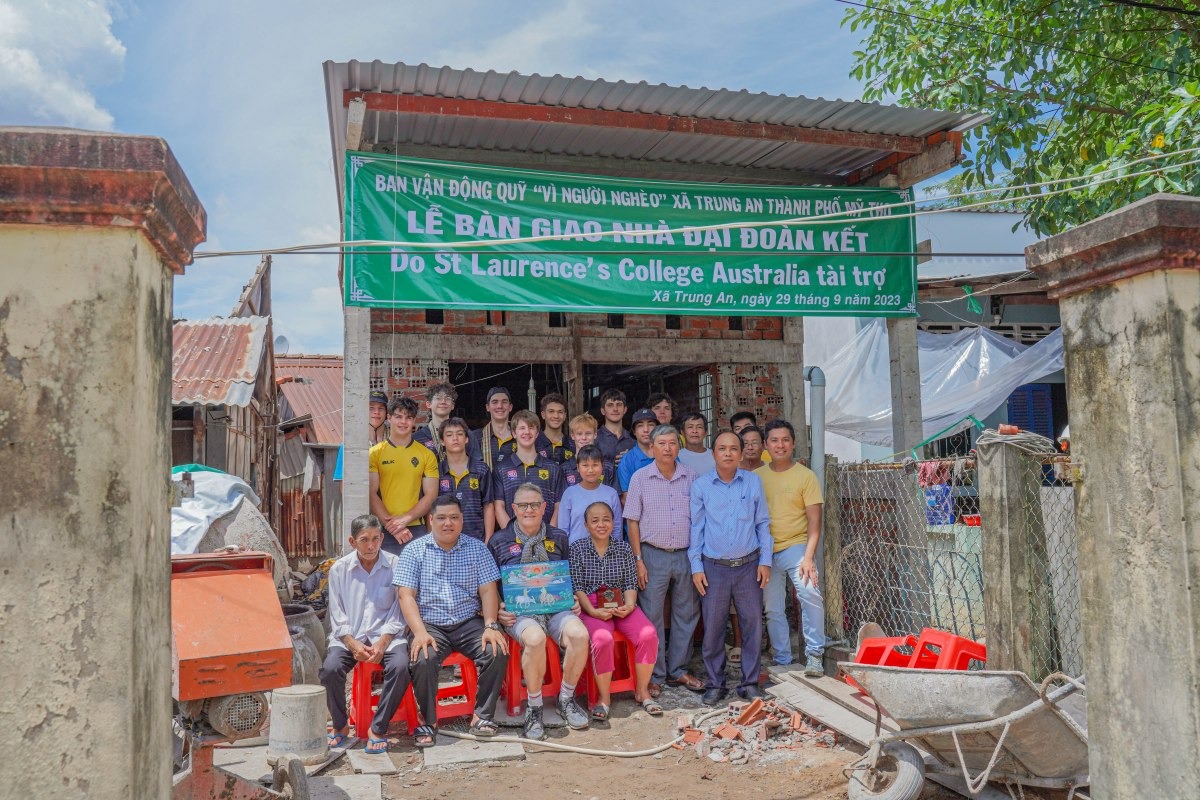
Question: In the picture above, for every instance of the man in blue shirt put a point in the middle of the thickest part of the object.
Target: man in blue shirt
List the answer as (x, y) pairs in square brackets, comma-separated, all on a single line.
[(731, 554), (644, 423), (449, 597)]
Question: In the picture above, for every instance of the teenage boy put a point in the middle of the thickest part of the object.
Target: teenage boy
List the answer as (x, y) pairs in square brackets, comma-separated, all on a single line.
[(752, 448), (403, 478), (364, 615), (644, 423), (377, 417), (468, 479), (663, 407), (439, 402), (694, 453), (612, 439), (554, 442), (494, 440), (525, 465), (583, 433), (795, 502), (529, 540), (590, 489)]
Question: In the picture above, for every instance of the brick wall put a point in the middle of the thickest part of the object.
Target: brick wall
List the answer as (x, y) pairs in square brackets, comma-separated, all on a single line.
[(749, 387), (638, 326)]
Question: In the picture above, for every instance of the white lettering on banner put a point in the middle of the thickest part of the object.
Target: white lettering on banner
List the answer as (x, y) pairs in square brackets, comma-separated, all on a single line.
[(391, 183), (776, 239), (654, 271), (843, 241), (487, 226), (788, 275)]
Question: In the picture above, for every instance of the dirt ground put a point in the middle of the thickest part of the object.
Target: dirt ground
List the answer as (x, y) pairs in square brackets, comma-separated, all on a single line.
[(808, 772)]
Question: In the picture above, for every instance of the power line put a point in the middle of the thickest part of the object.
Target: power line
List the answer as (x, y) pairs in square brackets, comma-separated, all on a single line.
[(1156, 7), (1010, 37)]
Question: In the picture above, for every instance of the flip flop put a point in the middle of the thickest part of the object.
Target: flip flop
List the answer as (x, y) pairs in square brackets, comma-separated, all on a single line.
[(687, 681), (484, 728), (600, 712), (653, 707), (375, 746), (424, 736), (335, 739)]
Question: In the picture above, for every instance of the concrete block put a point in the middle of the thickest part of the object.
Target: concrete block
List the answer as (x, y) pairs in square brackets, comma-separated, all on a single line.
[(346, 787), (450, 752), (372, 763)]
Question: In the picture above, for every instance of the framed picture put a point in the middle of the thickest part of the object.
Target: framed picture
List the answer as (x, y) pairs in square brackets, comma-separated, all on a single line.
[(539, 588)]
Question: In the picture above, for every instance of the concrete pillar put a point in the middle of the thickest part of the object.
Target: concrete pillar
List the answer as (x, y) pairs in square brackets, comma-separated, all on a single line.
[(93, 226), (356, 379), (1017, 603), (907, 426), (1128, 286), (791, 377)]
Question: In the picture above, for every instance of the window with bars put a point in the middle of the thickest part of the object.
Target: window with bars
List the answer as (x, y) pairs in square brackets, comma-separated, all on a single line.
[(705, 401)]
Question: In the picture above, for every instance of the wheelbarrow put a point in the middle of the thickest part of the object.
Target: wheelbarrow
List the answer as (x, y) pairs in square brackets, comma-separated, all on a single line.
[(983, 725)]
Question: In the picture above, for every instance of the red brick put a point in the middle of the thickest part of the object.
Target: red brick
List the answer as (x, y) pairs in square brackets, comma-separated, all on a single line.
[(727, 731), (752, 713), (692, 735), (710, 334), (775, 335), (689, 334)]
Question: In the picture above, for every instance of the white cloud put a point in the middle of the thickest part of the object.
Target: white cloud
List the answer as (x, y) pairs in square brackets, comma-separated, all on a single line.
[(52, 55)]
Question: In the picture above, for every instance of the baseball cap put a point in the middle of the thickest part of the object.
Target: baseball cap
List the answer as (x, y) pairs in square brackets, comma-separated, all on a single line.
[(644, 415), (495, 390), (378, 397)]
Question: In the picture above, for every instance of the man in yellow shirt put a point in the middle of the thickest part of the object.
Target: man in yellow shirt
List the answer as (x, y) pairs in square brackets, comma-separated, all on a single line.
[(404, 478), (795, 503)]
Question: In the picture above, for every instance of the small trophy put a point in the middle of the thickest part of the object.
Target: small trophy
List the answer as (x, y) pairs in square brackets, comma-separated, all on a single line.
[(608, 597)]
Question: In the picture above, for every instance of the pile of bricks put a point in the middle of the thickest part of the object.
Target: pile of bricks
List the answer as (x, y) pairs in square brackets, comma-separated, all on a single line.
[(747, 731)]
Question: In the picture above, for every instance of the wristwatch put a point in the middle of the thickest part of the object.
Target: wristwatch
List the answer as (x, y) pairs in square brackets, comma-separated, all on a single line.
[(494, 626)]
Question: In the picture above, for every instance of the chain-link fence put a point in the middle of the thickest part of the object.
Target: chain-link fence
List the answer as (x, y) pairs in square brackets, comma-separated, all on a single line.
[(904, 548), (905, 543), (1047, 539)]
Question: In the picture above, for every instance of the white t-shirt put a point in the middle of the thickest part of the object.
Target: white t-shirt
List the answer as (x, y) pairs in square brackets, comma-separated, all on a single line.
[(698, 463)]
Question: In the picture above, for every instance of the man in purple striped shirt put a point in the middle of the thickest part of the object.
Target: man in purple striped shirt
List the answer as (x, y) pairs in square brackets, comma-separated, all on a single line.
[(658, 510)]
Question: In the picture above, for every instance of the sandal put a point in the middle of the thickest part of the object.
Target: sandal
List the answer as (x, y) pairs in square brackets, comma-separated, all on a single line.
[(424, 736), (335, 739), (484, 729), (687, 681), (652, 707), (600, 712), (654, 690), (376, 746)]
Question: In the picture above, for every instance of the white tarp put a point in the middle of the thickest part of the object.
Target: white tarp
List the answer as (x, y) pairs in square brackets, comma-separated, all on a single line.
[(971, 372), (217, 494)]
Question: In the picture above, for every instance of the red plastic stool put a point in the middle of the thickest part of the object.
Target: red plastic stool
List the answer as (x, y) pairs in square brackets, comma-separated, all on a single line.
[(937, 649), (884, 651), (364, 700), (514, 688), (466, 688), (624, 669)]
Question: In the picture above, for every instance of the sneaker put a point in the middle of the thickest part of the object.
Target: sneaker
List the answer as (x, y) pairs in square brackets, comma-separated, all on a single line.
[(534, 728), (814, 666), (750, 692), (573, 715)]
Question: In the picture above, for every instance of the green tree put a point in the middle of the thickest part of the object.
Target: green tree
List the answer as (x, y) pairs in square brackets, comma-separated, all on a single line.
[(1073, 88)]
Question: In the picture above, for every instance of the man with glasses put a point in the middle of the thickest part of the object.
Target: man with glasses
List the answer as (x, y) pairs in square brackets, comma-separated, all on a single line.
[(528, 539), (439, 401)]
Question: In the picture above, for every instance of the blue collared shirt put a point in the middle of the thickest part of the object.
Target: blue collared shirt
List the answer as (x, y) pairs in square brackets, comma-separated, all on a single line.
[(633, 460), (729, 520), (447, 581)]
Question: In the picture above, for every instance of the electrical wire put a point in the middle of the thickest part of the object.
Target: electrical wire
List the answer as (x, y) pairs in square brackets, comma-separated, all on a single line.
[(1026, 441), (984, 293), (1188, 12), (1011, 38), (832, 218)]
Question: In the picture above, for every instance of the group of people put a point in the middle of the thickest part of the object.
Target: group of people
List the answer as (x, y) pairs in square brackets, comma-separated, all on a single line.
[(647, 519)]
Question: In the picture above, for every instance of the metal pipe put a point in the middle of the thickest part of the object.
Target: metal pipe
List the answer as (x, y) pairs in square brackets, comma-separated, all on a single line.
[(816, 458)]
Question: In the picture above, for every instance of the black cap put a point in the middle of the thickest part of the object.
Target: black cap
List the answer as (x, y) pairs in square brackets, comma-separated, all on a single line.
[(378, 397), (643, 415), (495, 390)]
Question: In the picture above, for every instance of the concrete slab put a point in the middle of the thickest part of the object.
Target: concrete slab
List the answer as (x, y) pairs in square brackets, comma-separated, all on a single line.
[(346, 787), (372, 763), (454, 752), (251, 762)]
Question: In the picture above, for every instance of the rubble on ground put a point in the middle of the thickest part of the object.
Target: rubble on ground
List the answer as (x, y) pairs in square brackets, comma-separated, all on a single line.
[(749, 730)]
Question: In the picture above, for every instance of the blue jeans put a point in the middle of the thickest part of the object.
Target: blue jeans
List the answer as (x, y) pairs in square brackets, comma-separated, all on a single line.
[(812, 606)]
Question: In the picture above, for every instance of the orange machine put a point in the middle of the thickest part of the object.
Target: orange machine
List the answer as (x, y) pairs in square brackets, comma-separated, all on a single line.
[(229, 645)]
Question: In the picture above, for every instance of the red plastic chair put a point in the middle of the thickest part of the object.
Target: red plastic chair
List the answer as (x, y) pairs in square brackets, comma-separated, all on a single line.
[(624, 669), (937, 649), (514, 689), (364, 700)]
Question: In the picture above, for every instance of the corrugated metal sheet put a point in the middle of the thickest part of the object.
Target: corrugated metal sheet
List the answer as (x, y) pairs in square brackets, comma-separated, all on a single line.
[(216, 361), (585, 93), (313, 385)]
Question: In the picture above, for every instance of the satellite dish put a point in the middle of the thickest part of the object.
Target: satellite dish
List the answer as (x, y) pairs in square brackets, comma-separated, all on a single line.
[(281, 345)]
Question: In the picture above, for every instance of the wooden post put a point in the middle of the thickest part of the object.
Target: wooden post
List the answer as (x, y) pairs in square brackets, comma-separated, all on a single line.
[(831, 548)]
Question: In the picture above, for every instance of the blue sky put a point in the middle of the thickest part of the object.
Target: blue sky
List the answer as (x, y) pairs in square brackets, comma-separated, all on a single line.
[(236, 90)]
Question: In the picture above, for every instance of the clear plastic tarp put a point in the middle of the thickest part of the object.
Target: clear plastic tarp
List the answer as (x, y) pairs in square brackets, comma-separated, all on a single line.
[(968, 373)]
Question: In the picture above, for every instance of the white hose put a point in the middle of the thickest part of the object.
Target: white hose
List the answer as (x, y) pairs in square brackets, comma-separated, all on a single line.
[(587, 751)]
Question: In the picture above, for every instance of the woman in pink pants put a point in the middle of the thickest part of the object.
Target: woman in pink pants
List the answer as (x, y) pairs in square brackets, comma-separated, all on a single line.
[(604, 574)]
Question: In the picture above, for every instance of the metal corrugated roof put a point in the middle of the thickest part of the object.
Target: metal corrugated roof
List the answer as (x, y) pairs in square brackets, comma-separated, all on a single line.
[(389, 128), (216, 361), (312, 385)]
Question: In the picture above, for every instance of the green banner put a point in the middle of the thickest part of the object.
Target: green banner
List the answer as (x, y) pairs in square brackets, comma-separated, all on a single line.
[(434, 234)]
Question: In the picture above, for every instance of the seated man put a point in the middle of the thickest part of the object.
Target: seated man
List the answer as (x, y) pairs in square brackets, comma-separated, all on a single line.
[(449, 598), (530, 540), (364, 615)]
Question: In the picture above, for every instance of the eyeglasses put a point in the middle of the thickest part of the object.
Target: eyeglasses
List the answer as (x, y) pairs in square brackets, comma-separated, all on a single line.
[(527, 506)]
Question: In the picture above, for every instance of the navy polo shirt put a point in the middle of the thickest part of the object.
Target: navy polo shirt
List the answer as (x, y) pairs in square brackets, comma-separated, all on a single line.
[(472, 488), (510, 472), (506, 544), (499, 449), (558, 453)]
